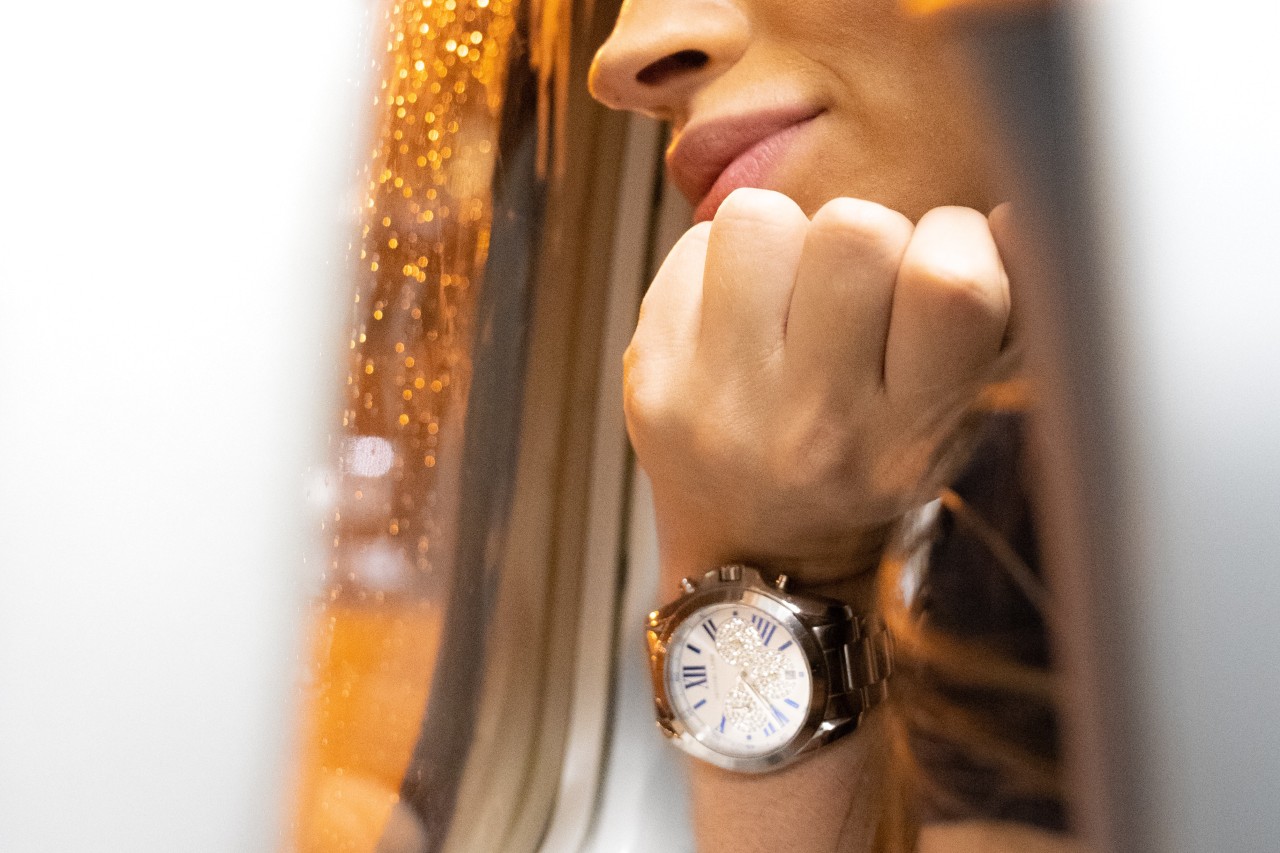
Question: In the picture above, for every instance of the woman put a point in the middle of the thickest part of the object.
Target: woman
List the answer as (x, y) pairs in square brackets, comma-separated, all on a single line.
[(802, 368)]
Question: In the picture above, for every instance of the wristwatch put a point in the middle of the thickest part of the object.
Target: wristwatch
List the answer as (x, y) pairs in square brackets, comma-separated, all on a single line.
[(750, 677)]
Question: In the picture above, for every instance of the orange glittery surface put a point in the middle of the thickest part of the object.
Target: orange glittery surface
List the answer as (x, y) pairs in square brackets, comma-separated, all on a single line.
[(420, 249)]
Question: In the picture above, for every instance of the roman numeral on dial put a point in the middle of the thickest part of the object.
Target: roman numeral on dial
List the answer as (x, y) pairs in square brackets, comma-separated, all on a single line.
[(765, 627), (695, 676)]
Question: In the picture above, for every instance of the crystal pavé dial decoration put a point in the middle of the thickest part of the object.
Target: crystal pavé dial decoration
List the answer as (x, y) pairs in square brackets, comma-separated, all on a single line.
[(732, 690)]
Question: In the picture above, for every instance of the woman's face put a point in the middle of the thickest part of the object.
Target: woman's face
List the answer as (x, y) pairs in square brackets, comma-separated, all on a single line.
[(812, 98)]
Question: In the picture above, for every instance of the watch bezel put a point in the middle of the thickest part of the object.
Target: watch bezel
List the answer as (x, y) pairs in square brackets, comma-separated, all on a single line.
[(790, 612)]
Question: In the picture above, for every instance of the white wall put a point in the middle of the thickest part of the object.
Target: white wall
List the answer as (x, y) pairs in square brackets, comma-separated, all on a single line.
[(176, 188), (1186, 124)]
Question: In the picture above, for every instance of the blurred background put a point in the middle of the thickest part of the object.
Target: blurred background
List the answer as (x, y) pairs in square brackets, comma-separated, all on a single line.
[(317, 525)]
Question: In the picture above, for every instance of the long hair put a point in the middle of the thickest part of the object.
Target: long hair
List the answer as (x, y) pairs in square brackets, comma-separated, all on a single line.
[(973, 733)]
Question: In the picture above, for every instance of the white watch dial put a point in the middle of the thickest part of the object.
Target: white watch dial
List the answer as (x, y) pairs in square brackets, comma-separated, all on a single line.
[(738, 680)]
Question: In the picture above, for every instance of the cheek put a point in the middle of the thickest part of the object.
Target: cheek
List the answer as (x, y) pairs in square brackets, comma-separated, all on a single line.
[(908, 167), (903, 127), (851, 25), (911, 142)]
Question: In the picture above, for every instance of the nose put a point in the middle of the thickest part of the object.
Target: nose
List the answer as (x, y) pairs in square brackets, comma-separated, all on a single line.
[(662, 51)]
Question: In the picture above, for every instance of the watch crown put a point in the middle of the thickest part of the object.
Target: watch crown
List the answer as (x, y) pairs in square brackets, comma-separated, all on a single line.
[(731, 573), (687, 585), (781, 583)]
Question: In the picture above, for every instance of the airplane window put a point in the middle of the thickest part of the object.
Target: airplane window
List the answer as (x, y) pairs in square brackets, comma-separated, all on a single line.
[(479, 477)]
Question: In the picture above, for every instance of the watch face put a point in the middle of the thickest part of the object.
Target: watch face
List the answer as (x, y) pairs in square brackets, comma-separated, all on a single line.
[(738, 680)]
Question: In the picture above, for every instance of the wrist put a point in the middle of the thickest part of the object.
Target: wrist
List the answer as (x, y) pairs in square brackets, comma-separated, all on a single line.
[(845, 572)]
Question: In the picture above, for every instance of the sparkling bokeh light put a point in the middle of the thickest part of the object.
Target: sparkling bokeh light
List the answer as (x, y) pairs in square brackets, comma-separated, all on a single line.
[(423, 238)]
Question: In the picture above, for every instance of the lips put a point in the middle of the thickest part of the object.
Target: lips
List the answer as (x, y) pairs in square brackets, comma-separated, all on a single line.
[(712, 158)]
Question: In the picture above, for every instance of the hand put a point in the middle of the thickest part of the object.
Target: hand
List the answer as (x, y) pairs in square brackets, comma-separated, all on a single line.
[(790, 381)]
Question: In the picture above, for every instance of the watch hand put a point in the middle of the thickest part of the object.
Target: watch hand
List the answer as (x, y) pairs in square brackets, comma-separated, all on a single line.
[(746, 680)]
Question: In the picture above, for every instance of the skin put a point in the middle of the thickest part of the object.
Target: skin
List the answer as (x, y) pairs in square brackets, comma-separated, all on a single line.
[(772, 430), (896, 139), (898, 126), (800, 358)]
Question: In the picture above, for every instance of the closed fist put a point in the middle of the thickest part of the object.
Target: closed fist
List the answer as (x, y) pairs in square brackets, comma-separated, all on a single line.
[(791, 380)]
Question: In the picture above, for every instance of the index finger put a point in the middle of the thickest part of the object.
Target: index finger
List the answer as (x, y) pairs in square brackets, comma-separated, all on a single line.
[(670, 313)]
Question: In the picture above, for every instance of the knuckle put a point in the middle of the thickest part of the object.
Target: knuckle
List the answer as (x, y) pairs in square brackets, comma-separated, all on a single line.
[(686, 256), (951, 216), (859, 219), (958, 281), (630, 361), (641, 396), (695, 239), (643, 410), (652, 402), (755, 207)]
